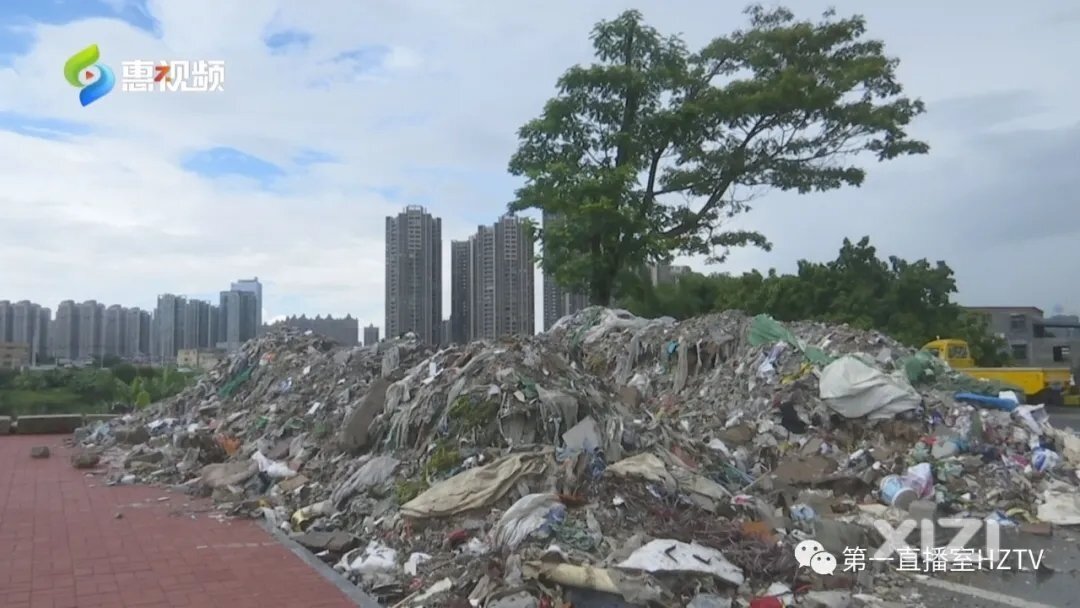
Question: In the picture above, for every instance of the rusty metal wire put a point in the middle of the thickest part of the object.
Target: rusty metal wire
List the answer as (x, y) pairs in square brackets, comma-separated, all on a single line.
[(669, 517)]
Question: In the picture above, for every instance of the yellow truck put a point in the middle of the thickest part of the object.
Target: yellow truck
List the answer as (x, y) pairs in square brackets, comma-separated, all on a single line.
[(1047, 385)]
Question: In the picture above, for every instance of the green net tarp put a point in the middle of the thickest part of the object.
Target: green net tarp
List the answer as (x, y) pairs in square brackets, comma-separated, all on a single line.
[(767, 330), (925, 368), (231, 386)]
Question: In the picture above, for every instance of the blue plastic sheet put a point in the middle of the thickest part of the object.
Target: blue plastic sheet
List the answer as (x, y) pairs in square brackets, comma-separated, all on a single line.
[(996, 403)]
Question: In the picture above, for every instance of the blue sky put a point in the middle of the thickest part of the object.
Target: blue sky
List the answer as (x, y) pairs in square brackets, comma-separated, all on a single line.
[(337, 114)]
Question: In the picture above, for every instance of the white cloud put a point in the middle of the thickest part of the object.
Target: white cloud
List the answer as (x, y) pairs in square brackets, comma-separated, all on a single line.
[(113, 216)]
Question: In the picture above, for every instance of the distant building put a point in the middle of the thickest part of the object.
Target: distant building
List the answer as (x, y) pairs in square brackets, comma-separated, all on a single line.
[(255, 287), (665, 274), (344, 331), (558, 302), (413, 296), (1034, 340), (239, 318), (136, 334), (169, 327), (499, 280), (91, 329), (14, 355), (199, 358), (27, 323), (65, 331), (115, 331), (459, 292), (200, 325), (7, 320), (43, 338), (371, 335)]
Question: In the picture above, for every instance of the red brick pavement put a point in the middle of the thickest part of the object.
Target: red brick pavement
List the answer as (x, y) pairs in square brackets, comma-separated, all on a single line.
[(62, 546)]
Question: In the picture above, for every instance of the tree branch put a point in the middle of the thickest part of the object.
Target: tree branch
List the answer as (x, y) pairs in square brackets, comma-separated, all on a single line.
[(692, 223)]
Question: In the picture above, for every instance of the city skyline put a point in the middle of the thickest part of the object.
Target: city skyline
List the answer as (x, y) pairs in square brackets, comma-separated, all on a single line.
[(493, 287), (90, 329)]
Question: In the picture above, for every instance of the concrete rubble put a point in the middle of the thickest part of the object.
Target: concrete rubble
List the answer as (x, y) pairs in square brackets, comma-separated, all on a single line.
[(612, 461)]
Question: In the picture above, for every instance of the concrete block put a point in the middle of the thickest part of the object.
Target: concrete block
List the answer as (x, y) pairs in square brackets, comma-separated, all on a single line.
[(5, 425), (57, 424)]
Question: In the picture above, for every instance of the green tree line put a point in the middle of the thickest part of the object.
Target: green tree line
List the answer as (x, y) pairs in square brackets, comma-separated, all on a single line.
[(909, 301)]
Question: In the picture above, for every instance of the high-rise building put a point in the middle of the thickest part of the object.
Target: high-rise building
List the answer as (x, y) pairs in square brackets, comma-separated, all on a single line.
[(91, 329), (459, 292), (23, 322), (116, 331), (199, 320), (65, 331), (169, 327), (215, 325), (239, 315), (482, 284), (255, 287), (558, 301), (42, 338), (371, 335), (500, 280), (136, 333), (7, 320), (414, 275), (26, 323)]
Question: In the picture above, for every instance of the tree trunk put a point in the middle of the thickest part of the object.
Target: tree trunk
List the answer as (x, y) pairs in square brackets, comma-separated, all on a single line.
[(600, 293)]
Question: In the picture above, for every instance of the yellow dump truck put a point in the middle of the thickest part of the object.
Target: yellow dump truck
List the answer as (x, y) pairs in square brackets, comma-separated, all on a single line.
[(1040, 384)]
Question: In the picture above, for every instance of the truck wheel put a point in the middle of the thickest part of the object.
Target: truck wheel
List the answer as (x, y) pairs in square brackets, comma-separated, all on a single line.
[(1047, 397)]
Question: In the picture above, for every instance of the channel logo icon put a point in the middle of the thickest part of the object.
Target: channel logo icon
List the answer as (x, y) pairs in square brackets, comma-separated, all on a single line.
[(94, 79)]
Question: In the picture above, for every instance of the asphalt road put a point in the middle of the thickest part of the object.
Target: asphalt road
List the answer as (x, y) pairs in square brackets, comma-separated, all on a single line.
[(1053, 585)]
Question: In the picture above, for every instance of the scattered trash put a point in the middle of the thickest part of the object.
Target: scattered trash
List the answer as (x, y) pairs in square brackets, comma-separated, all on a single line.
[(39, 451), (613, 461)]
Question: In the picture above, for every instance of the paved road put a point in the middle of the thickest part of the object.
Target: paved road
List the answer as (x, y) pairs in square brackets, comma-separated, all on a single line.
[(67, 541)]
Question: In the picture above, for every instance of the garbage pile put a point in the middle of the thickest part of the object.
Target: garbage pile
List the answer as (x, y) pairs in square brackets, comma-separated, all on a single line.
[(612, 461)]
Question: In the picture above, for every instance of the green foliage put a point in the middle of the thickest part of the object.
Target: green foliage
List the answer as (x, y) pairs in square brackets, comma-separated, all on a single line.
[(407, 490), (142, 399), (15, 402), (987, 349), (909, 301), (90, 388), (651, 148), (466, 415), (125, 372)]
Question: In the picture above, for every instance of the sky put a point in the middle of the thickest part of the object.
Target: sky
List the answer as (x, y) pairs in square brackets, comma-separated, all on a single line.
[(337, 113)]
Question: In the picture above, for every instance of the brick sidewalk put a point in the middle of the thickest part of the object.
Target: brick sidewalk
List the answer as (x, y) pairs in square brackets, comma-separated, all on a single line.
[(62, 546)]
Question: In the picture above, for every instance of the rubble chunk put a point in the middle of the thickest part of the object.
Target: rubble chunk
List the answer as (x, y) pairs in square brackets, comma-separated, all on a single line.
[(85, 459)]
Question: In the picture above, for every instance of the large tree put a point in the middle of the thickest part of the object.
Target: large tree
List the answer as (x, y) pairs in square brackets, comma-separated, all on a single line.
[(646, 152)]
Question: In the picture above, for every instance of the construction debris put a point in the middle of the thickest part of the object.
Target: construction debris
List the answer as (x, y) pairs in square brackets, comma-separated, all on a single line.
[(613, 461)]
